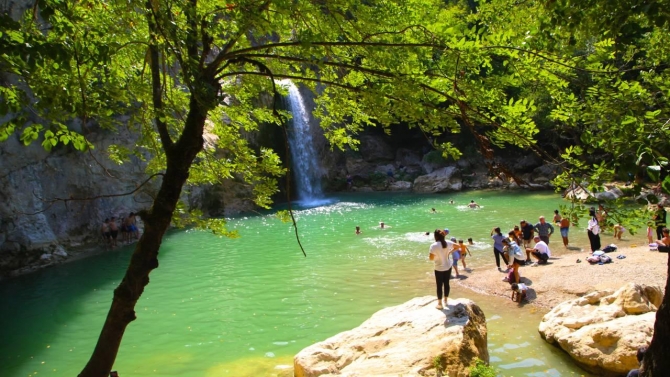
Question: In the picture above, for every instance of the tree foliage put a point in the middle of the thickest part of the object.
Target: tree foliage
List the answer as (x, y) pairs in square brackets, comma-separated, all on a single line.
[(592, 78)]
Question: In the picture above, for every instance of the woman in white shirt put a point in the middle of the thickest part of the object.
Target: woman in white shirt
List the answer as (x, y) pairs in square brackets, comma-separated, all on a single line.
[(439, 254), (593, 231)]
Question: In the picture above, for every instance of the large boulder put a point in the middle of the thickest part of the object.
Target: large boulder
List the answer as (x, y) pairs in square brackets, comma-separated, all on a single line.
[(400, 186), (407, 157), (440, 180), (374, 148), (603, 330), (402, 340)]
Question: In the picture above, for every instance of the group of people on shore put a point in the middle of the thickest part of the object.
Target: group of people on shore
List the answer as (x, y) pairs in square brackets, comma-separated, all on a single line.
[(525, 244), (516, 249), (128, 227)]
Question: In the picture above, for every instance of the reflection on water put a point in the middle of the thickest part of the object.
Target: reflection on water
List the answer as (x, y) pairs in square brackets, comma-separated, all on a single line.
[(244, 307)]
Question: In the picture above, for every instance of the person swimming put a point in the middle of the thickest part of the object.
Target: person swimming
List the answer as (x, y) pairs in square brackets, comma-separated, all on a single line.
[(358, 230), (473, 204)]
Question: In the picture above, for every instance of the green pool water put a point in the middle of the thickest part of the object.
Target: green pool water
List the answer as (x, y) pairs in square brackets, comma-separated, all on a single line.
[(246, 306)]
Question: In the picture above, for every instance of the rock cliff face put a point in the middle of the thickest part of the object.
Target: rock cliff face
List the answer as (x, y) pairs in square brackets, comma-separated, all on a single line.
[(402, 341), (35, 228), (603, 330)]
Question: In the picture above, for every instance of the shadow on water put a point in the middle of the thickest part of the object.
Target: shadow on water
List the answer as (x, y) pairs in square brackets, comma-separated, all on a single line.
[(36, 307)]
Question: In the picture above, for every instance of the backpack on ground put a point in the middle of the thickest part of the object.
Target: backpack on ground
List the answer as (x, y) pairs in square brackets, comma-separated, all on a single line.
[(610, 248)]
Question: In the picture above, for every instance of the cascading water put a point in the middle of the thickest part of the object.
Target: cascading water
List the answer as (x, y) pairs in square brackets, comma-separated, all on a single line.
[(304, 159)]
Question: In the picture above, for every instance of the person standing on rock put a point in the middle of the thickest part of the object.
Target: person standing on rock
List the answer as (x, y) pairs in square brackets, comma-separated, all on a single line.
[(439, 253), (114, 230), (593, 230), (106, 234), (130, 227)]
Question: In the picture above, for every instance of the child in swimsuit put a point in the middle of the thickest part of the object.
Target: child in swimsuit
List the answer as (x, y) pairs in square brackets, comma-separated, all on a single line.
[(464, 251)]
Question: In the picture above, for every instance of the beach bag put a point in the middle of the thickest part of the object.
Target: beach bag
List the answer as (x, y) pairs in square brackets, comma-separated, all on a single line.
[(605, 259), (610, 248)]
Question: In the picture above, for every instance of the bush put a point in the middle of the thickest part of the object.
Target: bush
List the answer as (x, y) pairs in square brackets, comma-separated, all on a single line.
[(377, 179), (482, 370), (434, 157)]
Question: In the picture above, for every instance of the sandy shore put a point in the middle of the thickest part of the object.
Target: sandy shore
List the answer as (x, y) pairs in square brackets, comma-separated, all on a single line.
[(563, 278)]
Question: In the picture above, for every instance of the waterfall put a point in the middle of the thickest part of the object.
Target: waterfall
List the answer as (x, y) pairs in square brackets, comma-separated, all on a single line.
[(304, 159)]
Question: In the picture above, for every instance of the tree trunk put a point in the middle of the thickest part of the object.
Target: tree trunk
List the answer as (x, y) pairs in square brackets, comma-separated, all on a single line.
[(145, 256), (656, 361)]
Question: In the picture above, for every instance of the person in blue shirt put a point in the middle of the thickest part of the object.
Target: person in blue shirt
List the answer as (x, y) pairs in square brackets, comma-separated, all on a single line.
[(544, 230)]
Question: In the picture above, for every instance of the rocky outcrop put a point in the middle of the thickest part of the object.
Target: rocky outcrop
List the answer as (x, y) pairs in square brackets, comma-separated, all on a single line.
[(400, 186), (36, 227), (603, 330), (580, 193), (440, 180), (402, 340)]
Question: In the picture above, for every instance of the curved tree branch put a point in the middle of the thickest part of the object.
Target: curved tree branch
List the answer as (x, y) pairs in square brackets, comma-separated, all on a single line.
[(71, 199)]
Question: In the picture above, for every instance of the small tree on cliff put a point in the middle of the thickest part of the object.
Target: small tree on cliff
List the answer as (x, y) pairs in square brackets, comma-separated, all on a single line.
[(178, 69)]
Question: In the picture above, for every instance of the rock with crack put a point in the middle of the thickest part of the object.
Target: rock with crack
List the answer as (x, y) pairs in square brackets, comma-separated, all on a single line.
[(402, 340), (603, 330)]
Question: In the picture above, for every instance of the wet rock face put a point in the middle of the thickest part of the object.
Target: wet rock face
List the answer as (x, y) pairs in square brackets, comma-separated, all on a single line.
[(603, 330), (441, 180), (402, 340)]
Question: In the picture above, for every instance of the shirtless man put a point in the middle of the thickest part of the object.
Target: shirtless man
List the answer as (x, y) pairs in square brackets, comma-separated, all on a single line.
[(564, 226), (130, 226), (114, 230), (106, 234), (473, 204)]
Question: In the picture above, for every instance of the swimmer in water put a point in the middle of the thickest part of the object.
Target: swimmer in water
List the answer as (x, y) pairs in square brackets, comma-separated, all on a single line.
[(472, 204), (358, 230)]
